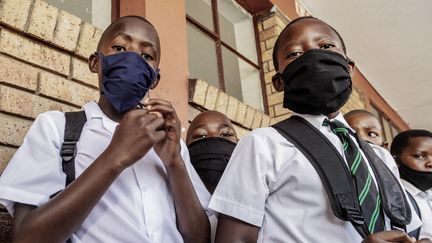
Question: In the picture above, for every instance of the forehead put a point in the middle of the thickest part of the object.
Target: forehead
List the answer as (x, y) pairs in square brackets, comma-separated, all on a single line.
[(423, 142), (306, 30), (136, 28), (210, 118), (365, 120)]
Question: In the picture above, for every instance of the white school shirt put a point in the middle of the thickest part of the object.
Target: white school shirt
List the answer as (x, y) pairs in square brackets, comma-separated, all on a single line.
[(137, 207), (269, 183), (424, 202)]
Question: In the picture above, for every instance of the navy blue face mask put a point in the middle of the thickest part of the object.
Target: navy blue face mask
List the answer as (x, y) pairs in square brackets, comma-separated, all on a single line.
[(126, 78)]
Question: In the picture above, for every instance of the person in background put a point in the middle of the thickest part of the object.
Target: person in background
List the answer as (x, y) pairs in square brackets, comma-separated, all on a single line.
[(211, 139), (412, 150), (367, 126)]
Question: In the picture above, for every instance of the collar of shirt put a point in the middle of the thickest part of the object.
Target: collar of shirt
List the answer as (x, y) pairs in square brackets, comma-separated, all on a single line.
[(93, 111), (413, 190), (318, 120)]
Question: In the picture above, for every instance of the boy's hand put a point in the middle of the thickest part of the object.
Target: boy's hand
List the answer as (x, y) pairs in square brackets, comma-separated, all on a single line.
[(392, 236), (168, 148), (136, 134)]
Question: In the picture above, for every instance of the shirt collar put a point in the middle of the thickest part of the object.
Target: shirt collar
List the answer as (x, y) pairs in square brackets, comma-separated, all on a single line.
[(318, 120), (93, 111), (413, 190)]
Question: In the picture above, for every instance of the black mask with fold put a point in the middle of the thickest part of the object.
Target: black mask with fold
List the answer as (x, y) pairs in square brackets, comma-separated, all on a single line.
[(420, 179), (209, 157), (317, 82)]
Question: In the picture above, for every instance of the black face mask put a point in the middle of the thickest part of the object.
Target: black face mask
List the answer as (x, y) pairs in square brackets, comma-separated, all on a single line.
[(209, 157), (420, 179), (318, 82)]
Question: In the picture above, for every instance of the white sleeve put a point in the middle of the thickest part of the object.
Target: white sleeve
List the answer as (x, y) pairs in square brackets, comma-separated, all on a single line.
[(391, 164), (245, 185), (200, 189), (34, 173)]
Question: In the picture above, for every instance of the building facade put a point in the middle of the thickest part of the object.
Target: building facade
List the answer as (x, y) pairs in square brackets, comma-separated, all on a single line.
[(216, 55)]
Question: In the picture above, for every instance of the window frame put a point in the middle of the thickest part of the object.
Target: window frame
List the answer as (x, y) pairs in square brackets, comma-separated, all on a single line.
[(219, 44)]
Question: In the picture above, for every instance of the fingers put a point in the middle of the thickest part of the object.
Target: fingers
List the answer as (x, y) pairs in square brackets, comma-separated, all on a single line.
[(162, 106), (389, 236), (156, 124)]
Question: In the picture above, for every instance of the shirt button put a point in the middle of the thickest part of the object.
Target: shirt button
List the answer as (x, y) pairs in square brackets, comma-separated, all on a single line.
[(152, 236), (144, 189)]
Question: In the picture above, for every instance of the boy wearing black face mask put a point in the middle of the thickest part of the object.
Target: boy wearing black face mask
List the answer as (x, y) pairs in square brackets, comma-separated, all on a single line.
[(412, 150), (134, 181), (211, 139), (270, 191)]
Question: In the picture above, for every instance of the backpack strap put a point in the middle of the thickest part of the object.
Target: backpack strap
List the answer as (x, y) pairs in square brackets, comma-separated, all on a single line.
[(329, 164), (74, 124), (394, 202), (415, 233)]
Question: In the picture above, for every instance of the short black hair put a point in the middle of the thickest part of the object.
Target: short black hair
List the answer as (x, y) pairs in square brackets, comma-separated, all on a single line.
[(106, 32), (359, 112), (402, 140), (276, 45)]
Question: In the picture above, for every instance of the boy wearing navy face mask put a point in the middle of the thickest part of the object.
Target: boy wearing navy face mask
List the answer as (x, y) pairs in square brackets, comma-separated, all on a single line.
[(133, 172), (271, 191)]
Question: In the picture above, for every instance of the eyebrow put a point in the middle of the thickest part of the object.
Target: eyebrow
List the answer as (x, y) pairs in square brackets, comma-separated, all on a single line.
[(129, 38), (223, 125), (316, 39)]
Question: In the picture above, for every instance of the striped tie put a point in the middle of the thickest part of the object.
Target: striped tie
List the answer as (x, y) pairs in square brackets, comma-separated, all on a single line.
[(368, 196)]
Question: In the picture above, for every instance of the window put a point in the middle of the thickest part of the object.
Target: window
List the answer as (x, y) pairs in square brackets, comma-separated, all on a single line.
[(96, 12), (222, 48)]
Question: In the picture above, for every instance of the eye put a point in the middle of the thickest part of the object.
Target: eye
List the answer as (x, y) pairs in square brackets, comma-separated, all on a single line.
[(327, 46), (227, 134), (293, 54), (147, 56), (419, 156), (373, 134), (118, 48), (199, 136)]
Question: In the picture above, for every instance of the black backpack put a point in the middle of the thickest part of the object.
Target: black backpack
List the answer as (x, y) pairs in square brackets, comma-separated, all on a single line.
[(73, 127), (337, 180)]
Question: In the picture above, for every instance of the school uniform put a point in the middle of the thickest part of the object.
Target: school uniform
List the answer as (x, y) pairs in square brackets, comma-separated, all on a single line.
[(270, 184), (137, 207), (424, 202)]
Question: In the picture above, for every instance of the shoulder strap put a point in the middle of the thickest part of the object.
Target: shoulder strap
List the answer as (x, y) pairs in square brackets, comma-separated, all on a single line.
[(74, 124), (329, 165), (416, 232), (394, 202)]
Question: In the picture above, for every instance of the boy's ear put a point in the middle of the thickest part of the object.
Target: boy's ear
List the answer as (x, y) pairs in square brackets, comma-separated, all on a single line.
[(156, 82), (351, 65), (93, 63), (278, 83)]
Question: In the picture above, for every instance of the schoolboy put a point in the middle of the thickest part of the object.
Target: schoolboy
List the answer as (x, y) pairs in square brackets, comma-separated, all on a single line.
[(133, 175), (412, 150), (367, 126), (211, 139), (270, 192)]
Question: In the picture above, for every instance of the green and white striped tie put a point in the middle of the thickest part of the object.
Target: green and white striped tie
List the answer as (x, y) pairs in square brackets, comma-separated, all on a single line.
[(368, 195)]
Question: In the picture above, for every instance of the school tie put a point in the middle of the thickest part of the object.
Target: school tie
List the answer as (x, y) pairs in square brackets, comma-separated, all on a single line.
[(368, 195)]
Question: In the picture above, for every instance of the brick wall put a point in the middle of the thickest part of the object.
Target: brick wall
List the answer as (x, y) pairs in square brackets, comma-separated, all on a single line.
[(270, 27), (203, 96), (43, 58), (43, 66)]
